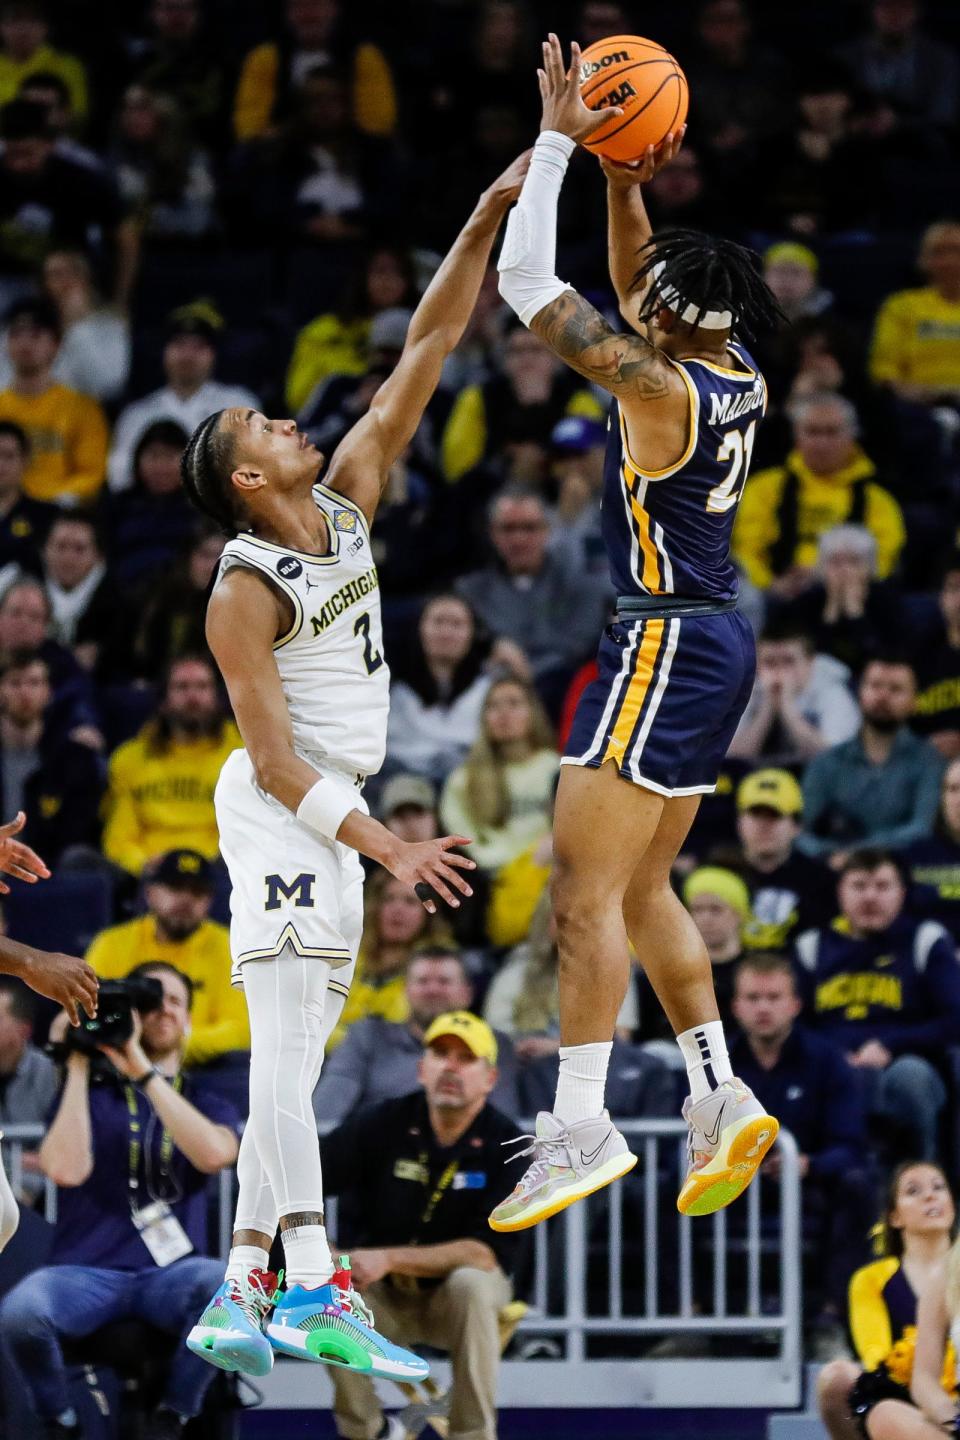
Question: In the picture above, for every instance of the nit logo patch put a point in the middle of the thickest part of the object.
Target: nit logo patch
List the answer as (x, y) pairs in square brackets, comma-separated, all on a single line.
[(289, 567), (344, 520)]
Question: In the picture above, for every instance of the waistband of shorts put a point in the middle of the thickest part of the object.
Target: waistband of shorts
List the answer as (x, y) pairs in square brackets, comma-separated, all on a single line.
[(643, 607)]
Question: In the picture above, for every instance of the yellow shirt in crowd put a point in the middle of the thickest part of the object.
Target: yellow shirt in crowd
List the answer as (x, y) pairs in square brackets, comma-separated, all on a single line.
[(164, 801), (916, 340), (47, 61), (219, 1016), (374, 97), (68, 437)]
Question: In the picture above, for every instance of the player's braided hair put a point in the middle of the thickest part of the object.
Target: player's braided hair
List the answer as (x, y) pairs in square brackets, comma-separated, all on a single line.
[(709, 273), (205, 469)]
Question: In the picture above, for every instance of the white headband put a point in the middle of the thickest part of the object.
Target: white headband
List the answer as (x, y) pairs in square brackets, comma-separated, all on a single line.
[(708, 320)]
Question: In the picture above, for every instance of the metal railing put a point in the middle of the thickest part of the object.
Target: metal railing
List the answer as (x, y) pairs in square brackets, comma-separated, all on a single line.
[(621, 1267)]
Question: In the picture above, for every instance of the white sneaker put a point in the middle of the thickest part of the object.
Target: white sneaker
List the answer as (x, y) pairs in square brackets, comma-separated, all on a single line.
[(569, 1162), (730, 1133)]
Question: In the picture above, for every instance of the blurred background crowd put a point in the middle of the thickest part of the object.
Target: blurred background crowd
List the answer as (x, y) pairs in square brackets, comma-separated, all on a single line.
[(206, 203)]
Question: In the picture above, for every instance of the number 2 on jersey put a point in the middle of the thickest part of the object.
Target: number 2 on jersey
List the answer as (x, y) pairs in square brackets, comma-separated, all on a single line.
[(737, 447), (371, 658)]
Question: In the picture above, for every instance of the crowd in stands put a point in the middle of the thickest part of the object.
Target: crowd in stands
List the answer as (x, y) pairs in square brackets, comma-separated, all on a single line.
[(208, 204)]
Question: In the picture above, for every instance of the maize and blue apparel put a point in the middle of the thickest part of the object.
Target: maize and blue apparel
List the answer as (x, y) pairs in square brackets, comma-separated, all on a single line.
[(798, 895), (934, 863), (676, 669)]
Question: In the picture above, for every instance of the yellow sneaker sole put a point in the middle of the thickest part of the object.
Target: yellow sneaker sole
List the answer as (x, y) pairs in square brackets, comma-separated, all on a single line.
[(730, 1171), (605, 1175)]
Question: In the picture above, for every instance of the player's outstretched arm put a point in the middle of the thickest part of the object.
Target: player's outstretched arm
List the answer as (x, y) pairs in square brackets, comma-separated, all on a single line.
[(241, 630), (67, 979), (628, 225), (364, 458)]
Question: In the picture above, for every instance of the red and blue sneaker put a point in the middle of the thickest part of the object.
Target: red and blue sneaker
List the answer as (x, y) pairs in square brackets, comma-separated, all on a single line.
[(229, 1333)]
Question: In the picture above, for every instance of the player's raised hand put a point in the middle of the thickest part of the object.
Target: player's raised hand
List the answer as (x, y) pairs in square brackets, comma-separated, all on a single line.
[(64, 978), (506, 188), (563, 107), (624, 174), (432, 869), (18, 859)]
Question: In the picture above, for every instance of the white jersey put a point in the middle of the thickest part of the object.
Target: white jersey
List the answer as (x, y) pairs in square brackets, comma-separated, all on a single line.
[(335, 679)]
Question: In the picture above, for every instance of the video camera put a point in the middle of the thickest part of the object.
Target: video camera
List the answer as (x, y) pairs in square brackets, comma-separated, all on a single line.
[(113, 1024)]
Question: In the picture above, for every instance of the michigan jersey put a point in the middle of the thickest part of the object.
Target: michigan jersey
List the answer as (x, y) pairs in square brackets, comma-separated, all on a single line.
[(335, 679), (667, 532)]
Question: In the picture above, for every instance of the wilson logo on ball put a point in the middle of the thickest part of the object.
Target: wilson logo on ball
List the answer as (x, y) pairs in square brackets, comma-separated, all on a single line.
[(594, 65)]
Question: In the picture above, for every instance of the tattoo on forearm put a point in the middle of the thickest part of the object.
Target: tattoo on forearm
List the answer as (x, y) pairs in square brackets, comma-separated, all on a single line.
[(579, 334)]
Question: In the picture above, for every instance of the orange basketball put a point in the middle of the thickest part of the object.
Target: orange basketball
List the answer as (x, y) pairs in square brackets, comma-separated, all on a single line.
[(645, 82)]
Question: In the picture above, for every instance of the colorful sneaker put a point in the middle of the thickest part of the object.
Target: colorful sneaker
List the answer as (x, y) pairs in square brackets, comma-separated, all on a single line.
[(334, 1325), (229, 1333), (730, 1133), (569, 1163)]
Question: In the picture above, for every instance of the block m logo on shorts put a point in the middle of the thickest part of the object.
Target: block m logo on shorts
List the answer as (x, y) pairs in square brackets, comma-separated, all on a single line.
[(300, 891)]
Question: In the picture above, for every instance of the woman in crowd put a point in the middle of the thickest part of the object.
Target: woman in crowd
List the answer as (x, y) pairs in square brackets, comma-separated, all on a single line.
[(523, 1000), (395, 924), (173, 621), (914, 1239), (94, 354), (501, 796), (162, 176), (935, 861), (151, 523), (847, 612)]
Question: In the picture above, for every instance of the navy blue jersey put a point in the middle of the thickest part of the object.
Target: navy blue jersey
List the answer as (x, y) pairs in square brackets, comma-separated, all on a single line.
[(667, 532)]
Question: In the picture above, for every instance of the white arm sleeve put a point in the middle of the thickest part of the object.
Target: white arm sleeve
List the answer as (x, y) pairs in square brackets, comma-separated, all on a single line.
[(529, 256)]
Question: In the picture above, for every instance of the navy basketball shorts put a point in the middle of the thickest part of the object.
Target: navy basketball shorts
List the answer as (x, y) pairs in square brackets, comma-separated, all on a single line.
[(667, 700)]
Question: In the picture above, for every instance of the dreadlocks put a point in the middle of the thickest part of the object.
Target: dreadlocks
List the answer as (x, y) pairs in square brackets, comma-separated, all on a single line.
[(684, 268), (205, 469)]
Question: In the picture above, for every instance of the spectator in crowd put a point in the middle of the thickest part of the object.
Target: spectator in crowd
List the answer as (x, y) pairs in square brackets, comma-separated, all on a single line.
[(380, 1059), (110, 1260), (847, 611), (25, 629), (532, 597), (46, 88), (502, 795), (190, 394), (49, 201), (885, 988), (161, 783), (164, 179), (57, 780), (24, 523), (395, 927), (67, 431), (176, 930), (28, 1077), (25, 50), (338, 342), (937, 715), (934, 860), (511, 414), (523, 1000), (916, 339), (438, 690), (94, 354), (881, 787), (172, 623), (914, 1240), (800, 704), (719, 905), (337, 402), (151, 524), (85, 604), (180, 57), (740, 85), (432, 1267), (314, 35), (516, 891), (578, 448), (827, 479), (408, 808), (677, 196), (789, 892), (916, 77), (819, 1100), (791, 271)]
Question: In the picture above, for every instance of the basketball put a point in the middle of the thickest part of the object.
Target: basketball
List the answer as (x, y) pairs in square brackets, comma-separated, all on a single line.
[(645, 82)]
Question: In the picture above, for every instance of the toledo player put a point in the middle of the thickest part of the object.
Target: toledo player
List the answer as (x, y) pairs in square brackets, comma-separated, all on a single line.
[(294, 623), (675, 669)]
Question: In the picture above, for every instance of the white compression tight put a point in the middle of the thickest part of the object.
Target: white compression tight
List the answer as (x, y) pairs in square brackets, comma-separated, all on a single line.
[(292, 1016), (9, 1210)]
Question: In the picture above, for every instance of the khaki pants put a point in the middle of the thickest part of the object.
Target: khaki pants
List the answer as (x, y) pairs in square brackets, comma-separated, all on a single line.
[(459, 1316)]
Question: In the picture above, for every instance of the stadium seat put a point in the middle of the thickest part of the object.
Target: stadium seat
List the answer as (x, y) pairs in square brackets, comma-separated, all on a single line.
[(63, 913)]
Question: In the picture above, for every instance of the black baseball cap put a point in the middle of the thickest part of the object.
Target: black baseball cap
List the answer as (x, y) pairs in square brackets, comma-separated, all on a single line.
[(184, 868)]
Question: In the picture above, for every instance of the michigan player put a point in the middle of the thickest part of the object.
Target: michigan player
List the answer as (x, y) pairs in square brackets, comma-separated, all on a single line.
[(675, 669), (294, 623)]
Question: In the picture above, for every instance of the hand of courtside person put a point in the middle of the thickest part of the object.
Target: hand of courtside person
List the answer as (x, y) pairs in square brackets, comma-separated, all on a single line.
[(18, 859), (563, 107), (66, 979), (432, 863), (129, 1059), (626, 173)]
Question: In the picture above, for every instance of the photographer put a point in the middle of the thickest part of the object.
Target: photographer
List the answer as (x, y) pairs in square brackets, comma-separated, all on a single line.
[(131, 1154)]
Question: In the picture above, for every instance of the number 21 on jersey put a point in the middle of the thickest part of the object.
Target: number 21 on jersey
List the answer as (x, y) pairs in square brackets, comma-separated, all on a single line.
[(737, 447)]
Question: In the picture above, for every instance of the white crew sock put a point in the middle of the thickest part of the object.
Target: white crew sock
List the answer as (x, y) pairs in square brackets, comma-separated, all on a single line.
[(704, 1049), (307, 1254), (243, 1259), (583, 1077)]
